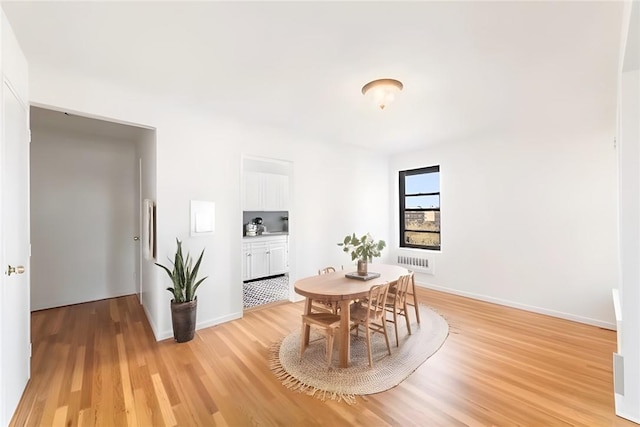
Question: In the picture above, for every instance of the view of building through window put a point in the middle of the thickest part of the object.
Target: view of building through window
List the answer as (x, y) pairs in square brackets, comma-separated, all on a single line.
[(420, 208)]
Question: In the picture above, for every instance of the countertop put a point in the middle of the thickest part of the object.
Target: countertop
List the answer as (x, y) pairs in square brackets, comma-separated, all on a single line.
[(268, 234)]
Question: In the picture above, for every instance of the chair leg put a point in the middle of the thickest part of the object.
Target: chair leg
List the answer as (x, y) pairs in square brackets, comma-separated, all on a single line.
[(406, 317), (395, 324), (386, 336), (329, 347), (369, 347), (302, 340), (415, 298)]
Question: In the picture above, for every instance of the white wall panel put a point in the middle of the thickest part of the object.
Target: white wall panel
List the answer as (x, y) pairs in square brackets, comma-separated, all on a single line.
[(82, 194)]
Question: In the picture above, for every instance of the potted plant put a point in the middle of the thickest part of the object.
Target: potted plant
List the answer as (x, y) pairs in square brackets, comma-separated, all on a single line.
[(363, 249), (184, 304)]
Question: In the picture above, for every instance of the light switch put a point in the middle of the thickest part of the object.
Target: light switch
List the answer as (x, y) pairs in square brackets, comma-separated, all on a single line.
[(203, 216)]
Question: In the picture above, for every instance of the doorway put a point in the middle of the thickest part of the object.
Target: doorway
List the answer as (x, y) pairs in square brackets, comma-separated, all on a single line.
[(266, 237), (85, 191)]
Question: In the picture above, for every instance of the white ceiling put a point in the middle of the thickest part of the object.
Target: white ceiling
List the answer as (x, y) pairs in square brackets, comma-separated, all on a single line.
[(468, 68)]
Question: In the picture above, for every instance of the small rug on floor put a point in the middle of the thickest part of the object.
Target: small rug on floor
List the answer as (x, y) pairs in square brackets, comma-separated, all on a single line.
[(266, 291), (312, 376)]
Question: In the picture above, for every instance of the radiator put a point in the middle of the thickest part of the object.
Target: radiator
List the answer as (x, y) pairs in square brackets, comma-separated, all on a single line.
[(416, 263)]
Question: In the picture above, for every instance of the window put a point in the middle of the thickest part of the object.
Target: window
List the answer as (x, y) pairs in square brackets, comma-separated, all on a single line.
[(420, 208)]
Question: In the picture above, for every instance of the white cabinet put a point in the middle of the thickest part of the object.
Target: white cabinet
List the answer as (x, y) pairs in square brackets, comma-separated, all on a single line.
[(252, 191), (265, 192), (259, 260), (264, 256), (278, 257)]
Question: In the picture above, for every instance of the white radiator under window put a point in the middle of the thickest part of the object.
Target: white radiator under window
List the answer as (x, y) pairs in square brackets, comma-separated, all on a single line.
[(422, 264)]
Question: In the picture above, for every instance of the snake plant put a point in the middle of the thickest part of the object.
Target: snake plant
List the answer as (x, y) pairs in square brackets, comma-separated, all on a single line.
[(183, 275)]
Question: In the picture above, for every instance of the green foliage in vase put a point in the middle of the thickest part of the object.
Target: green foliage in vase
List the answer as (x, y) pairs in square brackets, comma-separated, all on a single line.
[(364, 248), (183, 274)]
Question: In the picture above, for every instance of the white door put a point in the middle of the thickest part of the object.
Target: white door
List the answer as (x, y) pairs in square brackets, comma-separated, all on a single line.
[(15, 351)]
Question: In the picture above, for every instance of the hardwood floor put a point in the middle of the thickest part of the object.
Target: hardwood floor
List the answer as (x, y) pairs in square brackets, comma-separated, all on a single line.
[(98, 364)]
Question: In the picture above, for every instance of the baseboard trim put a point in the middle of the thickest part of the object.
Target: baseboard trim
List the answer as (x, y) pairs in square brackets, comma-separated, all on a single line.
[(628, 417), (201, 325), (73, 301), (531, 308), (218, 320), (153, 326)]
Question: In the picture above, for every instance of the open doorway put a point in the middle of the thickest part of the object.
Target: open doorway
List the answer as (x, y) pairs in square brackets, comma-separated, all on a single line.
[(265, 231), (85, 208)]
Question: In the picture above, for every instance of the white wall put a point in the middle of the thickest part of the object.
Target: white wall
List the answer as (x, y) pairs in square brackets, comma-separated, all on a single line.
[(336, 190), (627, 390), (82, 224), (527, 220)]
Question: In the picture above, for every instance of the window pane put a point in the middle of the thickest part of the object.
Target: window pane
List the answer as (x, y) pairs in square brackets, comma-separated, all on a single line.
[(422, 183), (422, 202), (422, 221), (422, 239)]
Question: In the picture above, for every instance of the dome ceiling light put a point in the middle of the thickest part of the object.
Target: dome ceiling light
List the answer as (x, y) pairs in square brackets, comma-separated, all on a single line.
[(383, 91)]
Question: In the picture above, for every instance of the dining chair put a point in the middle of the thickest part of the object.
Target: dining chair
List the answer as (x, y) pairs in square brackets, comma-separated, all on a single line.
[(370, 313), (325, 306), (326, 270), (397, 303), (327, 323)]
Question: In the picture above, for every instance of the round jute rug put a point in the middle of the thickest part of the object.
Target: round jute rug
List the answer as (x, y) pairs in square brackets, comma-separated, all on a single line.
[(311, 374)]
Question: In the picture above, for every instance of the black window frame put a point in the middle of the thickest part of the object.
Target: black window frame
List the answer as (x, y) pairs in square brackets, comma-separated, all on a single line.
[(402, 175)]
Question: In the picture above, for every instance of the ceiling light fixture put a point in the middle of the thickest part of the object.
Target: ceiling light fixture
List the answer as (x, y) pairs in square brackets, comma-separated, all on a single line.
[(383, 91)]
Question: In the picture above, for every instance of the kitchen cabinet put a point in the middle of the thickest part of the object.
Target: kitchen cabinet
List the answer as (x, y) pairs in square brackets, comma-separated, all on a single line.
[(265, 192), (264, 256)]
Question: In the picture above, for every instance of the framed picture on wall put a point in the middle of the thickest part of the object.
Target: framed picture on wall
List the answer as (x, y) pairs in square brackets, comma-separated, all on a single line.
[(149, 230)]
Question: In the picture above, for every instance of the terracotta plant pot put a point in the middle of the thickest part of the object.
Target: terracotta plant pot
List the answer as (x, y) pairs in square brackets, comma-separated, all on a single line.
[(362, 268), (183, 317)]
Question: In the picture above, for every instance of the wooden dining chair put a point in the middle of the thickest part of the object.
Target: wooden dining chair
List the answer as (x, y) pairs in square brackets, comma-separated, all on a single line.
[(321, 306), (327, 323), (326, 270), (397, 302), (370, 313)]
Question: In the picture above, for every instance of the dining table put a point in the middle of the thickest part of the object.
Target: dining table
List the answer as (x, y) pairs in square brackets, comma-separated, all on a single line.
[(336, 287)]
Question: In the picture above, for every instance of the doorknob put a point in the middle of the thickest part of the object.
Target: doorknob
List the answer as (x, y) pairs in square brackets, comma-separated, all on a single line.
[(15, 270), (136, 238)]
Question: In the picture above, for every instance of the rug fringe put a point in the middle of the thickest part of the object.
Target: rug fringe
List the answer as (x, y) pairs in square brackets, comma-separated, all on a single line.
[(453, 327), (294, 384)]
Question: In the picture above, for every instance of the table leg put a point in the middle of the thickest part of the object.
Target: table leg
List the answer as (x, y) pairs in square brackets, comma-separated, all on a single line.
[(307, 328), (345, 342)]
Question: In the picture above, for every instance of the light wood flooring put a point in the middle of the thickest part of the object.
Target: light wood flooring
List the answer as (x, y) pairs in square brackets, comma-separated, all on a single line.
[(98, 364)]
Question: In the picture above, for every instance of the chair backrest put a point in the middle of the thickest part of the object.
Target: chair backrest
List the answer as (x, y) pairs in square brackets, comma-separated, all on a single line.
[(402, 287), (326, 270), (377, 300)]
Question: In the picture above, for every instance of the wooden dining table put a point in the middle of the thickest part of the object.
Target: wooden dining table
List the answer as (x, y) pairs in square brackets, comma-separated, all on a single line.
[(338, 288)]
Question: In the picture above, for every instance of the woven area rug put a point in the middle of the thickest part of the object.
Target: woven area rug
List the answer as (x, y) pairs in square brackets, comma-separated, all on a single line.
[(312, 376)]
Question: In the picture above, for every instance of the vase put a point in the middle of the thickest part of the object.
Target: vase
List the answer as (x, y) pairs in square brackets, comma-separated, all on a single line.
[(362, 267), (183, 318)]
